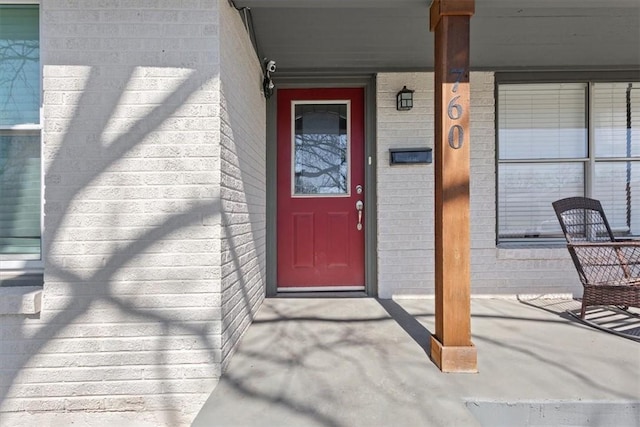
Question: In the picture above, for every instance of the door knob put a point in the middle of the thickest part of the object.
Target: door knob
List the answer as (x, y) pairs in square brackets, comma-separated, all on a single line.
[(359, 208)]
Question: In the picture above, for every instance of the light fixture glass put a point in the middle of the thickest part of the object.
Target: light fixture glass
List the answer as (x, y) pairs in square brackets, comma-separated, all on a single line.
[(404, 99)]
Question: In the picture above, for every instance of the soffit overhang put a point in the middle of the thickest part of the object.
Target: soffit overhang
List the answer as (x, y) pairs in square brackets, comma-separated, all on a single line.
[(393, 35)]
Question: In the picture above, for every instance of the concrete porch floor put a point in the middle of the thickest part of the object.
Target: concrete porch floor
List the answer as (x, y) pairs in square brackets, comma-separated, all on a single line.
[(345, 362)]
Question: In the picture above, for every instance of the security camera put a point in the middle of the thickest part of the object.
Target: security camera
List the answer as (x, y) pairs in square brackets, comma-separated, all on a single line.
[(271, 66), (267, 83)]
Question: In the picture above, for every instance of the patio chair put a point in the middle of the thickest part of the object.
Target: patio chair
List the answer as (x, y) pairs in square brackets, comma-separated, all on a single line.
[(609, 269)]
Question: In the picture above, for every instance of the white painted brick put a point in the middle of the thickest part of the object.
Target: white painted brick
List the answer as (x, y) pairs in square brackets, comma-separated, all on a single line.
[(208, 328), (101, 359), (37, 404), (405, 266), (132, 315), (243, 182), (107, 388), (84, 404)]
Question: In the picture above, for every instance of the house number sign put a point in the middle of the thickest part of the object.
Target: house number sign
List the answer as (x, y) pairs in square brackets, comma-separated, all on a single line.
[(455, 112)]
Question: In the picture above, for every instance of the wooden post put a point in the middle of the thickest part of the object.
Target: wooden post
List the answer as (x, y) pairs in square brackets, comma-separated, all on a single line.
[(451, 346)]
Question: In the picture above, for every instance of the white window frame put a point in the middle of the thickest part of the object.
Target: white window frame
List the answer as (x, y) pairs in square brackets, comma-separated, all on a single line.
[(17, 265), (589, 162)]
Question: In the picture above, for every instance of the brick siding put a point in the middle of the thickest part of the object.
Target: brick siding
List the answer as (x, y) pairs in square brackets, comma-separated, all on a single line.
[(154, 209), (406, 202), (243, 182)]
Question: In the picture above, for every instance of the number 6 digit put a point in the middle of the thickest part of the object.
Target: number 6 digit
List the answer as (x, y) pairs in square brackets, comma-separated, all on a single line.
[(454, 110)]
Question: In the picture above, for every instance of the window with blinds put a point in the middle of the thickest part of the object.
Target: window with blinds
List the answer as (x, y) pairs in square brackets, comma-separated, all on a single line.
[(546, 152), (616, 128), (20, 159)]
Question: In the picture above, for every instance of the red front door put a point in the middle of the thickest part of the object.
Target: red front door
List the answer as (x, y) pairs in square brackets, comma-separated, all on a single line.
[(321, 188)]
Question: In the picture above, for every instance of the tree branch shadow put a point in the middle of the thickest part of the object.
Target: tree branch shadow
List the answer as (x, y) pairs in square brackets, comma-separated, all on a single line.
[(101, 136), (292, 364), (77, 143)]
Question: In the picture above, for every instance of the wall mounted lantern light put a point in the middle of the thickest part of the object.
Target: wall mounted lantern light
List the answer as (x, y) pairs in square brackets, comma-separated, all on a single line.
[(404, 99)]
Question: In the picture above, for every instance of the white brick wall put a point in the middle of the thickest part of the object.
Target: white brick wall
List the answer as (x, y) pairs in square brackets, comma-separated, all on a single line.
[(406, 202), (405, 193), (147, 218), (243, 181)]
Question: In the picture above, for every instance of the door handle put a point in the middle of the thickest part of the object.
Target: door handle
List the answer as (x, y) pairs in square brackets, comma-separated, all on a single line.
[(359, 208)]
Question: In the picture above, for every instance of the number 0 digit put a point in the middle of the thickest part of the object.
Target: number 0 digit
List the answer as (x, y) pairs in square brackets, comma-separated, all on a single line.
[(456, 143)]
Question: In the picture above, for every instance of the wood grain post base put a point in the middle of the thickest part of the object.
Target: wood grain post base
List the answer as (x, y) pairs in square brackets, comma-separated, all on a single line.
[(461, 359)]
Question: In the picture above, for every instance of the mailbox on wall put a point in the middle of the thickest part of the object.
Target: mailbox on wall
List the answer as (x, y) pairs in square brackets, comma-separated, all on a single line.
[(409, 156)]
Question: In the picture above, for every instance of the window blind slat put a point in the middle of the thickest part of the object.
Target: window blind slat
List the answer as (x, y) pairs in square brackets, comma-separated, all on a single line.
[(526, 193), (610, 116), (20, 162), (548, 121), (542, 121), (19, 191)]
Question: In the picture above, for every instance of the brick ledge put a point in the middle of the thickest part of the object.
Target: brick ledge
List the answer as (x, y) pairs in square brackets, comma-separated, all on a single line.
[(20, 300)]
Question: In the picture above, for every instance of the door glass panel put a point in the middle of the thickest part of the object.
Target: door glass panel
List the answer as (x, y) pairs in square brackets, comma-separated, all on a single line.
[(320, 149)]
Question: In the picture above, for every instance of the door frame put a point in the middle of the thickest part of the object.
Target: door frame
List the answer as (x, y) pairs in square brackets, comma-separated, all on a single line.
[(294, 81)]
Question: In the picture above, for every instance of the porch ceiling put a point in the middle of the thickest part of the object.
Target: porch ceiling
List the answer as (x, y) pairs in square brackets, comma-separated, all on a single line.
[(387, 35)]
